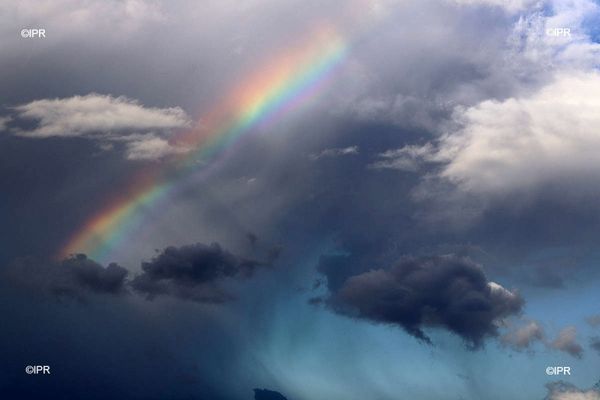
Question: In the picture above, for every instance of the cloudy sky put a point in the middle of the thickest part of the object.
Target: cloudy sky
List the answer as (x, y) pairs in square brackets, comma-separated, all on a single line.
[(303, 200)]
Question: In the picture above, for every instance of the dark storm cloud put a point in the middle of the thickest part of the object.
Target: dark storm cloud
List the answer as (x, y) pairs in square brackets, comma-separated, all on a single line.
[(447, 292), (74, 277), (265, 394), (194, 272)]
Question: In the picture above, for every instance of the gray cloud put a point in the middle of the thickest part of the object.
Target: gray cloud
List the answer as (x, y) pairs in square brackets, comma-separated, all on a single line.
[(75, 277), (523, 337), (447, 292), (567, 341), (403, 110), (194, 272)]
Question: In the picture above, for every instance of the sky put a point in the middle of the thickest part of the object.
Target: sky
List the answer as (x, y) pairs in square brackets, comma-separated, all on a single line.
[(302, 200)]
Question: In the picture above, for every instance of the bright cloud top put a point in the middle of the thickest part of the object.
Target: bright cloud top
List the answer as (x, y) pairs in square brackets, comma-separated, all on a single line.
[(519, 143)]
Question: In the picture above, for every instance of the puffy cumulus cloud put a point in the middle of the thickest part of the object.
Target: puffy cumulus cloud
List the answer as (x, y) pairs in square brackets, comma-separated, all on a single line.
[(106, 119), (567, 341), (96, 114), (334, 152), (448, 292), (75, 277), (539, 147), (523, 337), (567, 391), (194, 272), (526, 142)]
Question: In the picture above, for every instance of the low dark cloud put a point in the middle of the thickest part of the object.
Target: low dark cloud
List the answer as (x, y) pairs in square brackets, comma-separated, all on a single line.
[(448, 292), (193, 272), (265, 394), (74, 277)]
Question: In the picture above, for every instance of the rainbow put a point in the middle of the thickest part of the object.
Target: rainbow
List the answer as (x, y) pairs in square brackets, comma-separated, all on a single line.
[(279, 86)]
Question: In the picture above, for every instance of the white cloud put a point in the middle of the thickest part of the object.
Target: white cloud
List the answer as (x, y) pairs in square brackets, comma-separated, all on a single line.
[(107, 120), (521, 143), (96, 114), (517, 145), (335, 152), (151, 148)]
